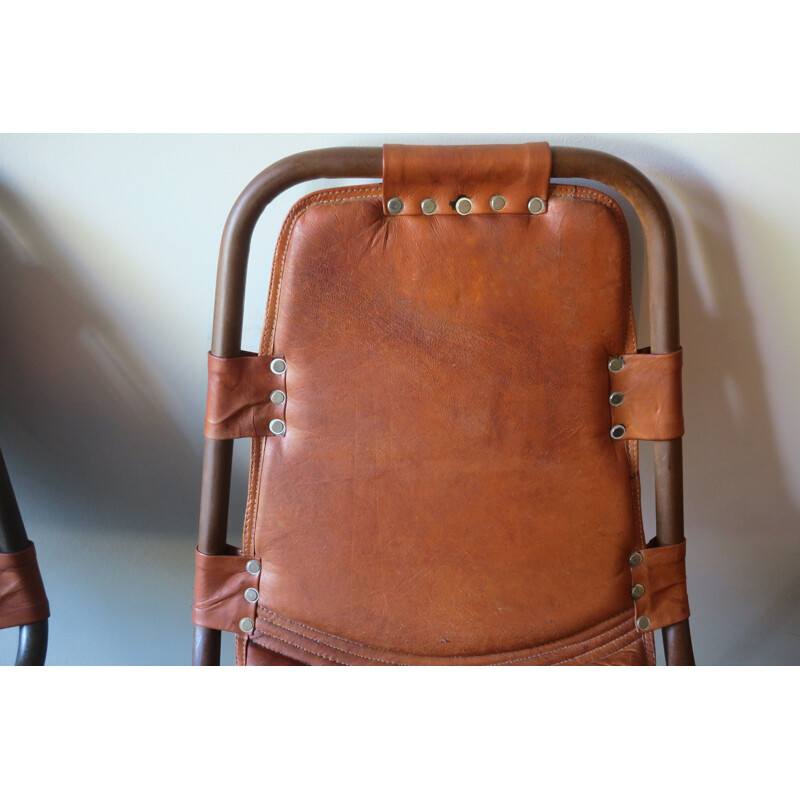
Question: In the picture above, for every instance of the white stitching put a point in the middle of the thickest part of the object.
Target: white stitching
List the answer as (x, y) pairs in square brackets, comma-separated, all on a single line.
[(568, 646), (292, 644), (538, 655)]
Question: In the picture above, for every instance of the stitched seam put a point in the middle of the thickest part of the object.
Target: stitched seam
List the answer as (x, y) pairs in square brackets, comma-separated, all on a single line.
[(292, 644), (247, 533), (597, 649), (568, 646), (649, 645), (307, 627), (540, 654), (361, 644), (614, 652), (332, 647)]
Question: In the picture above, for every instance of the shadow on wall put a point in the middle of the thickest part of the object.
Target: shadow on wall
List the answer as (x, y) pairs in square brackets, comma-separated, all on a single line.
[(85, 428), (741, 519)]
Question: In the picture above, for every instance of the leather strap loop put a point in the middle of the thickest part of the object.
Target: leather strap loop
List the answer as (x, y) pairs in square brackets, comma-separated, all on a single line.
[(239, 391), (22, 596), (651, 404), (219, 591), (443, 174), (662, 575)]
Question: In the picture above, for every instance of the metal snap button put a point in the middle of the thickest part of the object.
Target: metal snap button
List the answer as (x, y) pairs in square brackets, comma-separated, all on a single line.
[(536, 205), (278, 366), (497, 202), (618, 431), (616, 364), (643, 623), (428, 206), (246, 625), (395, 206), (637, 591), (253, 567), (277, 397), (464, 206), (635, 558), (277, 427), (251, 595), (616, 398)]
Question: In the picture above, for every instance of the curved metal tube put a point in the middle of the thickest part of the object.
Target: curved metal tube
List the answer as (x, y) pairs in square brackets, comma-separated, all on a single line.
[(367, 162), (32, 645)]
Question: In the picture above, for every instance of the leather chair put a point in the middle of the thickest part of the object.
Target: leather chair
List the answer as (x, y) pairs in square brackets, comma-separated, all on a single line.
[(445, 413), (23, 602)]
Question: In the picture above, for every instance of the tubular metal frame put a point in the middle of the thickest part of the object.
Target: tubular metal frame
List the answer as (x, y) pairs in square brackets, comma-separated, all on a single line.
[(367, 162), (32, 645)]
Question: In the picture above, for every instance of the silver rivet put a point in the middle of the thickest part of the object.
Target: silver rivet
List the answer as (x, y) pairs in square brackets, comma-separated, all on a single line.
[(253, 567), (251, 595), (617, 432), (464, 206), (637, 590), (278, 366), (395, 206), (246, 625), (536, 205), (497, 202), (616, 364), (616, 398), (428, 206), (277, 397), (634, 559), (277, 427), (643, 623)]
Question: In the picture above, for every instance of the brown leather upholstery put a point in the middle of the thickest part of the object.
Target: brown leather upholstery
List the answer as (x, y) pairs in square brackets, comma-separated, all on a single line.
[(662, 576), (238, 402), (446, 173), (22, 595), (652, 408), (447, 491), (219, 591)]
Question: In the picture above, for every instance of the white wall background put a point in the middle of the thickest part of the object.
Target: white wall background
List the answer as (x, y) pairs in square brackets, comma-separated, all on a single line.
[(108, 248)]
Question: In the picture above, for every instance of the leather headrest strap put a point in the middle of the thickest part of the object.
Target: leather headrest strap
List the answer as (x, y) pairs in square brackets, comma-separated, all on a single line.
[(495, 179)]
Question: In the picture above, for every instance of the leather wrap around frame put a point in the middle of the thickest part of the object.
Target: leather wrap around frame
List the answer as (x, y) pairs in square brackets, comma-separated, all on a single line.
[(22, 596), (447, 490)]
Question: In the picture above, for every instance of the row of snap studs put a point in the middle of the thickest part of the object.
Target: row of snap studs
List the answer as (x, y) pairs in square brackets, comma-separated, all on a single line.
[(615, 399), (246, 625), (464, 206), (277, 427), (637, 590)]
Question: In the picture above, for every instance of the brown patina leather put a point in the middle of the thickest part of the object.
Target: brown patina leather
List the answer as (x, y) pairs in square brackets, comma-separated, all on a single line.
[(238, 403), (447, 491), (662, 573), (22, 596), (219, 586), (517, 172), (653, 407)]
